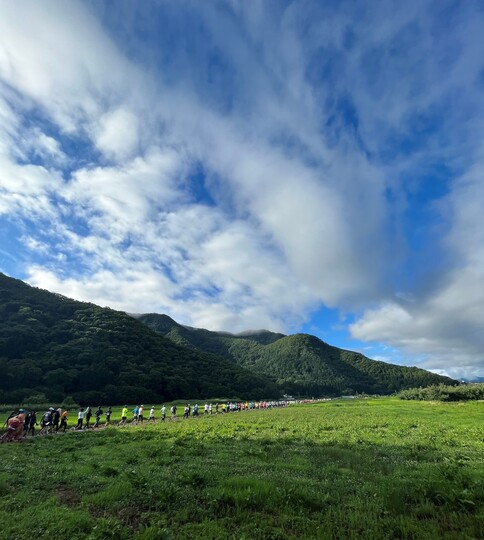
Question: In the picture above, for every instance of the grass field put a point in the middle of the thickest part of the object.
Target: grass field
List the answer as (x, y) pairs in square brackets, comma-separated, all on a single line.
[(380, 468)]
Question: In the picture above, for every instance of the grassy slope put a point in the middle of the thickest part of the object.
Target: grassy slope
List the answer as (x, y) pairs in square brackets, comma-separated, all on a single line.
[(360, 469), (300, 363)]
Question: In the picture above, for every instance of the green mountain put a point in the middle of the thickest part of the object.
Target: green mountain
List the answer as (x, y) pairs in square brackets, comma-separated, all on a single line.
[(59, 347), (300, 364)]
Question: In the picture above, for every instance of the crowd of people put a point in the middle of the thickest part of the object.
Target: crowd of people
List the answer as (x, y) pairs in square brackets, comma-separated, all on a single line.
[(22, 423)]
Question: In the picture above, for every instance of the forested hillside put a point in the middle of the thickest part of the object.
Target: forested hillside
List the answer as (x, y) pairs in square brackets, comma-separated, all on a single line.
[(300, 364), (59, 347)]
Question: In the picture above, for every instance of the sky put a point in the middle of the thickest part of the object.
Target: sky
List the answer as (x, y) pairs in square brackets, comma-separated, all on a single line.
[(299, 166)]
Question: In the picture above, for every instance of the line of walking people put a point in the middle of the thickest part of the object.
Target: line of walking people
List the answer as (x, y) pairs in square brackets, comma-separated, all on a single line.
[(22, 423)]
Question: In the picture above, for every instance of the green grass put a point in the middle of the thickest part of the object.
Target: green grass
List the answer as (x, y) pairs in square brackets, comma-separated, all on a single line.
[(357, 469)]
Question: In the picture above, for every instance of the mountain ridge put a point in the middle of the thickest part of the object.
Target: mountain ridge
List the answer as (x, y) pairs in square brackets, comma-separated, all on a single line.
[(299, 363), (55, 346), (58, 347)]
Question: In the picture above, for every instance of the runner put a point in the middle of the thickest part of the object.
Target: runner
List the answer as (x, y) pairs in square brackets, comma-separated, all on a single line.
[(32, 423), (124, 415), (80, 419), (63, 420), (56, 419), (99, 413), (15, 427), (46, 422), (152, 414), (26, 423), (109, 412), (163, 413), (88, 417), (140, 413)]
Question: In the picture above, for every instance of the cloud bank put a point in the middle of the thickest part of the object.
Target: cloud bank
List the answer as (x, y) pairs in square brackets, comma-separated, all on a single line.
[(244, 165)]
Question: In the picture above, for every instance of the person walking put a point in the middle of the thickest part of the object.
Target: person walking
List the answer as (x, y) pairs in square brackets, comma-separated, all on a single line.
[(124, 416), (15, 427), (63, 421), (46, 422), (26, 424), (80, 419), (32, 423), (152, 414), (98, 415), (56, 419), (163, 413), (88, 415)]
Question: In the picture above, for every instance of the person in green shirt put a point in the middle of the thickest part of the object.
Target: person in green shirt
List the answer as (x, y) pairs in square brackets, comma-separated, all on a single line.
[(124, 415)]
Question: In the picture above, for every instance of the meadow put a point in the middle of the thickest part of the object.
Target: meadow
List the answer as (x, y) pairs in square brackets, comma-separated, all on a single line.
[(369, 468)]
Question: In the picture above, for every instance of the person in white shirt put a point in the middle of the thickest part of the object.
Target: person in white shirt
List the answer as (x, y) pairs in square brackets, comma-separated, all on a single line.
[(80, 418), (152, 414)]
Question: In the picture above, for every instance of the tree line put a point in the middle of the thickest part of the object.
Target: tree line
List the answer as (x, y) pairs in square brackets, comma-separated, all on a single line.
[(441, 392)]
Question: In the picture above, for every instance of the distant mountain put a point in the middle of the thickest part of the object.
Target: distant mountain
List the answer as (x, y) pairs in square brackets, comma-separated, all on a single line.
[(474, 380), (300, 364), (59, 347)]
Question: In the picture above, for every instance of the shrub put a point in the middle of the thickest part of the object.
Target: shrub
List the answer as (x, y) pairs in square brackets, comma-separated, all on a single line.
[(463, 392)]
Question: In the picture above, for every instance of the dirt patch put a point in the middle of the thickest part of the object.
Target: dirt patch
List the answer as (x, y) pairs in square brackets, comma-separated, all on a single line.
[(67, 496), (97, 512), (131, 517)]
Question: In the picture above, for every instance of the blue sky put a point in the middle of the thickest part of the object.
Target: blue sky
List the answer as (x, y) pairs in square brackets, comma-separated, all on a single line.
[(297, 166)]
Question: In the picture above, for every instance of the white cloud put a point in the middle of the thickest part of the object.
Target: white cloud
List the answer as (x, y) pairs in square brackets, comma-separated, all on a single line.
[(446, 326), (117, 135), (128, 194), (64, 63), (46, 147), (119, 290), (303, 198), (25, 189)]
